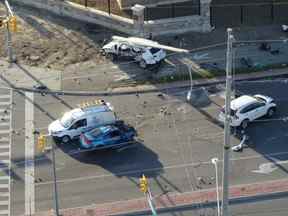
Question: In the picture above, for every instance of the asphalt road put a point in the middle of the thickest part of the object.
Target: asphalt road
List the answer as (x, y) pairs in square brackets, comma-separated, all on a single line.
[(174, 150)]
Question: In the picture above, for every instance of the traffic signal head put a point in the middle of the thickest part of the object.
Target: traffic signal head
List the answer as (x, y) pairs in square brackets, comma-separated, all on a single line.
[(13, 24), (143, 184), (41, 143)]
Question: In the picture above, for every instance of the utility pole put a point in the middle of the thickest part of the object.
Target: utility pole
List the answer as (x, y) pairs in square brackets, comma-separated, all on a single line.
[(226, 152)]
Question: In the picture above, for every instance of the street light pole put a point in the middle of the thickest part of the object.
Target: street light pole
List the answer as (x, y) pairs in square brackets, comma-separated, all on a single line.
[(226, 152), (215, 161)]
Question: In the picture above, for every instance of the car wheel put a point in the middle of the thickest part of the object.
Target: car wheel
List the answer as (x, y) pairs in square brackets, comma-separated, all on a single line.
[(57, 140), (271, 112), (65, 139), (142, 64), (244, 123), (111, 56)]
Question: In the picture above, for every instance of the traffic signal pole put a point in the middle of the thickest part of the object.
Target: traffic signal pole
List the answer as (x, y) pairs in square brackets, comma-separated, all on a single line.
[(8, 33), (226, 152), (144, 187)]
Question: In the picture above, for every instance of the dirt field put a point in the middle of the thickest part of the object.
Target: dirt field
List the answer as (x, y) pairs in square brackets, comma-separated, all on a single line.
[(51, 41), (46, 40)]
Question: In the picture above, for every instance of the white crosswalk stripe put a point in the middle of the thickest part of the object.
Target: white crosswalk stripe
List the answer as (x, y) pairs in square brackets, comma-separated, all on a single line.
[(4, 212), (2, 103), (5, 151)]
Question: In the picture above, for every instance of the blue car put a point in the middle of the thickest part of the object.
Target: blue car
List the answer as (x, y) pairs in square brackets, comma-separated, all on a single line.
[(110, 136)]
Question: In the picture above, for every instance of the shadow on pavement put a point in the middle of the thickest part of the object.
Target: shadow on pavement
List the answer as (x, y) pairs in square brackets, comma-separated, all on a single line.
[(129, 162)]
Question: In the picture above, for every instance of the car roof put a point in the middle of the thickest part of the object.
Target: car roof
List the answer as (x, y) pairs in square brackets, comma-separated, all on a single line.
[(79, 112), (244, 100)]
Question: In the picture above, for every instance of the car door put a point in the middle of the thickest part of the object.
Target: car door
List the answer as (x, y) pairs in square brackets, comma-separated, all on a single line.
[(77, 128), (114, 137), (260, 109), (249, 112)]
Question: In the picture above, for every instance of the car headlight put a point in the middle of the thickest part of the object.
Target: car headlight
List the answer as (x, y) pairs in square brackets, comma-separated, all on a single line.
[(55, 132)]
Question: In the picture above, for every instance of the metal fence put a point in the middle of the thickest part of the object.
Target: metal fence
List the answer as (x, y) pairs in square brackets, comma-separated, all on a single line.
[(250, 13), (164, 11)]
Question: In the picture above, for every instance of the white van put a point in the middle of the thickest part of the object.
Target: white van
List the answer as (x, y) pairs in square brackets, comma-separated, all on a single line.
[(81, 120)]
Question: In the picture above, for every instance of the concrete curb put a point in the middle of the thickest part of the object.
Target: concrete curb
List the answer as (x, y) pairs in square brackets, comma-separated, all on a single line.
[(205, 197)]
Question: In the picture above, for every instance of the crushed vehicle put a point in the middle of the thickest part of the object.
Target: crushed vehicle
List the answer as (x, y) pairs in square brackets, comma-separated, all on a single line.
[(110, 136), (144, 56), (81, 120)]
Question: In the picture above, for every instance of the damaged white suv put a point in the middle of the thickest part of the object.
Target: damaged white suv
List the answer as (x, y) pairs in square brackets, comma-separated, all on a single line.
[(247, 108)]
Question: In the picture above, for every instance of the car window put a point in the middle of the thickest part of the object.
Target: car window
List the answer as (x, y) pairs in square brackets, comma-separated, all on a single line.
[(154, 50), (248, 108), (79, 123), (259, 104), (114, 134)]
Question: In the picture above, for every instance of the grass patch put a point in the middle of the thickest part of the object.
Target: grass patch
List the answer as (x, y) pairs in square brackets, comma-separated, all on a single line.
[(201, 74), (209, 74)]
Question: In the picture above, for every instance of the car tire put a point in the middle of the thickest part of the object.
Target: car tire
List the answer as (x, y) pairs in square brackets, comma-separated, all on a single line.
[(111, 56), (143, 64), (57, 140), (245, 123), (271, 112), (65, 139)]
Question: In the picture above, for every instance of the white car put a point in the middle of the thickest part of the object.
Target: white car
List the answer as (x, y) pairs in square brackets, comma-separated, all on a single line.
[(81, 120), (145, 56), (247, 108)]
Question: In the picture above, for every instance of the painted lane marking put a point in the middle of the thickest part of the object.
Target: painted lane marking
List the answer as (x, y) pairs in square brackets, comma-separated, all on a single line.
[(267, 168), (29, 156)]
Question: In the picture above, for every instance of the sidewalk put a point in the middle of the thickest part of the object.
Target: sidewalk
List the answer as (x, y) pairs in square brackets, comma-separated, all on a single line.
[(175, 200), (24, 77)]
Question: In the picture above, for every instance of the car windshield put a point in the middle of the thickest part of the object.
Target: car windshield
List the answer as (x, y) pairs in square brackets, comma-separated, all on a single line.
[(154, 50), (67, 119)]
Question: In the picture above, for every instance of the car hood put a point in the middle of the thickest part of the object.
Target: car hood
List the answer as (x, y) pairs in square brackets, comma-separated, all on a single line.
[(109, 45), (55, 126)]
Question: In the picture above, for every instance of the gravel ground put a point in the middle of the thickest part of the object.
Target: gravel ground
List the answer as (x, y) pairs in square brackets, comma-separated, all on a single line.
[(51, 41)]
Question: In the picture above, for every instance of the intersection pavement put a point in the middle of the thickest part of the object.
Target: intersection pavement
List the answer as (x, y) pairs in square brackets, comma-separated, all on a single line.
[(174, 150)]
